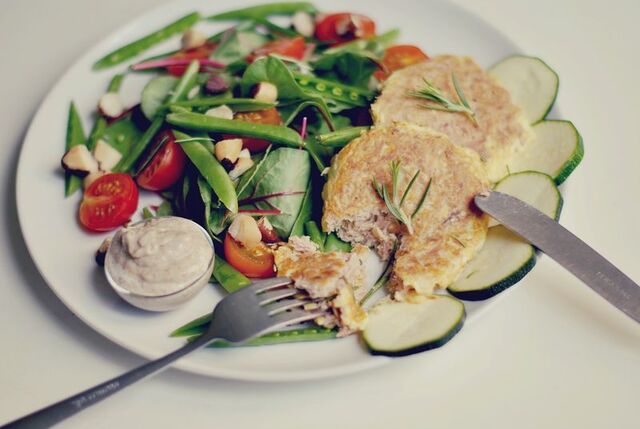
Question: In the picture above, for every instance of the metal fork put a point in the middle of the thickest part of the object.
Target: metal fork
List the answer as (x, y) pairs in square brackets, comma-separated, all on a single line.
[(262, 307)]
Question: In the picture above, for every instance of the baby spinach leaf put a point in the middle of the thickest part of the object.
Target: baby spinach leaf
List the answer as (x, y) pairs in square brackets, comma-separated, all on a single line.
[(351, 68), (304, 215), (284, 170)]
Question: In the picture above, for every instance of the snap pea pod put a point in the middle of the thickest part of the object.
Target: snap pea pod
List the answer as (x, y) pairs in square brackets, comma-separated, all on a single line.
[(261, 11), (330, 89), (100, 125), (180, 92), (228, 277), (237, 104), (385, 39), (275, 28), (274, 133), (341, 137), (75, 137), (211, 169), (281, 337), (334, 244), (134, 48), (315, 234), (195, 327)]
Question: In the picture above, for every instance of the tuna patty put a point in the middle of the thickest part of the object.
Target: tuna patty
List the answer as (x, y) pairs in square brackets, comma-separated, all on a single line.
[(502, 130), (448, 231)]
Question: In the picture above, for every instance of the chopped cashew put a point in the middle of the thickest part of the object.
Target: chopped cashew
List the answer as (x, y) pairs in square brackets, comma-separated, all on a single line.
[(244, 229)]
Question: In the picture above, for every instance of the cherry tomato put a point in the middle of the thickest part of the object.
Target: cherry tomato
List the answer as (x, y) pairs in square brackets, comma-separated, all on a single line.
[(293, 47), (341, 27), (198, 53), (108, 202), (398, 57), (166, 166), (254, 263), (268, 116)]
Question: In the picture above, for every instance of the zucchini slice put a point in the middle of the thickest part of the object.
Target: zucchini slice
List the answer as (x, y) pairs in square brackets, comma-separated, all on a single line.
[(557, 150), (534, 188), (502, 262), (401, 328), (532, 84)]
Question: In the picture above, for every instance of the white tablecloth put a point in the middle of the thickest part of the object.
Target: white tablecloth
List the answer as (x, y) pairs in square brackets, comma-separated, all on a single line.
[(550, 355)]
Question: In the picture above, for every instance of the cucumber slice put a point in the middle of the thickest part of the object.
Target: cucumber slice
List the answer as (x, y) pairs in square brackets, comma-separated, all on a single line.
[(400, 328), (557, 150), (534, 188), (502, 262), (533, 85)]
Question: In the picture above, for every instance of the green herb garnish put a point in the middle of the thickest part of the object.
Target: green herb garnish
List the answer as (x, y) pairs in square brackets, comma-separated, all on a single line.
[(441, 102), (393, 202)]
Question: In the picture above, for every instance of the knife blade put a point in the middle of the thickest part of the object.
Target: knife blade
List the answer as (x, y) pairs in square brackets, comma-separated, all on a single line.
[(565, 248)]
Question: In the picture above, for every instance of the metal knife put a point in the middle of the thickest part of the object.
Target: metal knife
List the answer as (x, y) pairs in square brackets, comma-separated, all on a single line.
[(568, 250)]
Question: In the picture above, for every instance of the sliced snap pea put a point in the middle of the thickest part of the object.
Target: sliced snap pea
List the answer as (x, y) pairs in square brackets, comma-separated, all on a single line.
[(334, 244), (229, 278), (180, 92), (273, 133), (100, 125), (336, 91), (134, 48), (383, 40), (341, 137), (315, 234), (261, 11), (75, 137), (212, 171), (195, 327), (275, 28), (281, 337), (237, 104)]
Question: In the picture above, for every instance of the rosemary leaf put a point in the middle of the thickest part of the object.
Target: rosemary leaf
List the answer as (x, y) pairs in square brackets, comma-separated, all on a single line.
[(422, 199), (433, 94)]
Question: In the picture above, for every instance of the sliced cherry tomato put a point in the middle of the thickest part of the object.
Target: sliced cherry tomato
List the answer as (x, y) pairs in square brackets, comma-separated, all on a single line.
[(108, 202), (198, 53), (254, 263), (166, 166), (293, 47), (268, 116), (398, 57), (341, 27)]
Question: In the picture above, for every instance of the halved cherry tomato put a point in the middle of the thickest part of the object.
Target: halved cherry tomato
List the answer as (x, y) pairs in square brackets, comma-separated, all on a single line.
[(341, 27), (268, 116), (198, 53), (293, 47), (254, 263), (398, 57), (108, 202), (166, 166)]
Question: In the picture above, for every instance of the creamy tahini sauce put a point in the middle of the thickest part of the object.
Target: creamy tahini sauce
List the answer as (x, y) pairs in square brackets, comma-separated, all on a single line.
[(159, 256)]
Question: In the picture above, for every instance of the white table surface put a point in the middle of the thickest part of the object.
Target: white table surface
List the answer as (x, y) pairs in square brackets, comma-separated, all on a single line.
[(552, 354)]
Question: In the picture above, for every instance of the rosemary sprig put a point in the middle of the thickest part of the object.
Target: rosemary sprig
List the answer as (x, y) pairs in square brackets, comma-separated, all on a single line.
[(394, 202), (431, 93)]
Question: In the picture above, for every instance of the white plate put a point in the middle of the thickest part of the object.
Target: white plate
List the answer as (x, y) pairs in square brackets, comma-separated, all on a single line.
[(63, 253)]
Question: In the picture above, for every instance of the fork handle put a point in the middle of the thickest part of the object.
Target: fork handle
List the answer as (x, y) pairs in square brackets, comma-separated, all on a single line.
[(54, 413)]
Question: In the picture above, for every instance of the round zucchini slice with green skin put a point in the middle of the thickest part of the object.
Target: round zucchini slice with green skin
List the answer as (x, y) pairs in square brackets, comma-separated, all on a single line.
[(503, 261), (402, 328), (532, 84), (557, 150), (534, 188), (155, 93)]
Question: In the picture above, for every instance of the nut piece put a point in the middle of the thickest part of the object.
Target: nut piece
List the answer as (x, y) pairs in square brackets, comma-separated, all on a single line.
[(265, 91), (244, 229), (79, 160), (193, 39), (269, 235), (223, 112), (110, 105), (216, 85), (106, 155), (241, 167), (193, 92), (91, 177), (303, 23), (228, 149), (244, 153)]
